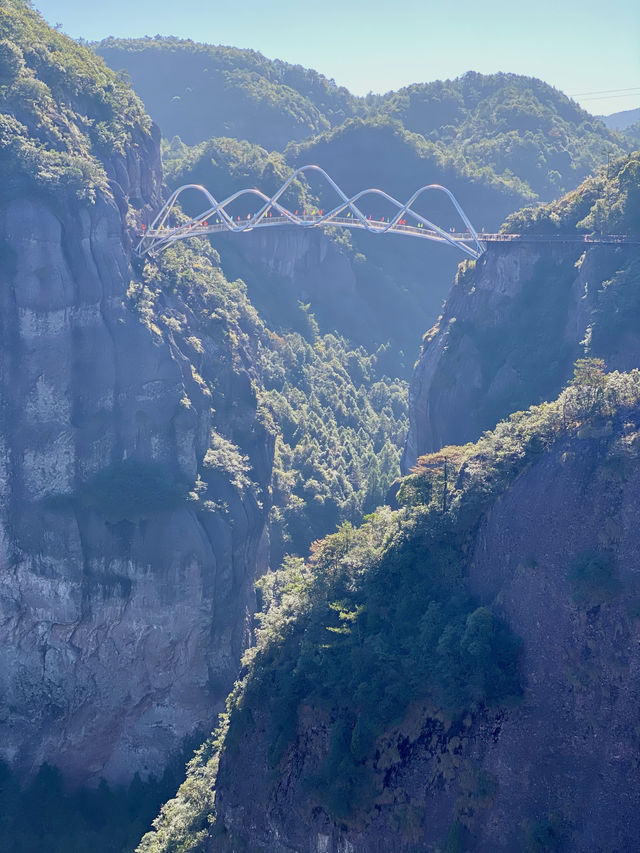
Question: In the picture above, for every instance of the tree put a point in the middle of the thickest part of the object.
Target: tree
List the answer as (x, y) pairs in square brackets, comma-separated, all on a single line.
[(589, 380)]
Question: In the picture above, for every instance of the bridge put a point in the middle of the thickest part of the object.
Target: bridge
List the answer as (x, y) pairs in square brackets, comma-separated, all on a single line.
[(272, 213)]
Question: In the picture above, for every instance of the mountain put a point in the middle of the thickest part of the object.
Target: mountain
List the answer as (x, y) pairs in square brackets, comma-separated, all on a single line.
[(516, 126), (486, 622), (174, 427), (497, 141), (197, 91), (517, 319), (621, 120), (456, 673), (376, 291)]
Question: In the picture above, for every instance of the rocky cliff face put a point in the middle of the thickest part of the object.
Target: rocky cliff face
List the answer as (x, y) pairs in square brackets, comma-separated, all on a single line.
[(287, 266), (511, 329), (126, 561)]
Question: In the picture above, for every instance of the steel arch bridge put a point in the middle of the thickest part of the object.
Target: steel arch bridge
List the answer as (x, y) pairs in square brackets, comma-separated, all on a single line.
[(215, 219)]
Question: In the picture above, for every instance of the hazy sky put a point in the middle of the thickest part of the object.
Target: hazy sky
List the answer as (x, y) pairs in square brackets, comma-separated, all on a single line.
[(588, 48)]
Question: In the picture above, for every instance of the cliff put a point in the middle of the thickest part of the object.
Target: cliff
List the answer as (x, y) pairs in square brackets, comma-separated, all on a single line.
[(458, 674), (134, 468), (516, 320)]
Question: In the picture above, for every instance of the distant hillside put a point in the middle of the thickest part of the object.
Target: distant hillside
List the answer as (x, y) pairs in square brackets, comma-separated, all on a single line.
[(517, 126), (621, 120), (198, 91)]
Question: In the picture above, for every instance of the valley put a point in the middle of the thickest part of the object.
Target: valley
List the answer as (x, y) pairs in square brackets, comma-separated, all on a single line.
[(360, 506)]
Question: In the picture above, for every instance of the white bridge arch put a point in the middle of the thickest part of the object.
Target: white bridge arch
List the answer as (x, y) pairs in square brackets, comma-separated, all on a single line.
[(215, 219)]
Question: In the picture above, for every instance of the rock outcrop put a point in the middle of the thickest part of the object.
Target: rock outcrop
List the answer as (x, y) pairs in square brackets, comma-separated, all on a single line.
[(513, 325), (555, 551)]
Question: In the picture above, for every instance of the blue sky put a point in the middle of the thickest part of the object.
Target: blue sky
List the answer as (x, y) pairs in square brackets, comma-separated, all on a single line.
[(590, 49)]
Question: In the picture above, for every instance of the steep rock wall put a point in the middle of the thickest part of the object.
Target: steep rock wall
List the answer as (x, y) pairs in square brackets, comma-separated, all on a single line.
[(284, 267), (119, 636), (511, 328)]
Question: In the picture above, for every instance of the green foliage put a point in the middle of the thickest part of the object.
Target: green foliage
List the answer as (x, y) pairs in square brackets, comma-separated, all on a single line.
[(632, 135), (394, 298), (225, 457), (198, 91), (589, 381), (132, 489), (379, 617), (457, 838), (342, 426), (339, 423), (184, 821), (514, 125), (61, 109), (227, 165), (518, 128), (545, 835), (406, 155), (594, 579), (609, 203)]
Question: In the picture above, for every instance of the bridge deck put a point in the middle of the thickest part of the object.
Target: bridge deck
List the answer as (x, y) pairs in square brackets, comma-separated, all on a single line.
[(374, 225)]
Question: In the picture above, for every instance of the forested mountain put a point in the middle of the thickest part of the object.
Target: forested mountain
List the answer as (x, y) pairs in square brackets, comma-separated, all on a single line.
[(385, 291), (417, 683), (407, 665), (497, 141), (519, 128), (197, 91), (158, 440)]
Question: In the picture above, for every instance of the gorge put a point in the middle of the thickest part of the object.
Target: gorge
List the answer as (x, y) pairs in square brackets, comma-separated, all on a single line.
[(439, 660)]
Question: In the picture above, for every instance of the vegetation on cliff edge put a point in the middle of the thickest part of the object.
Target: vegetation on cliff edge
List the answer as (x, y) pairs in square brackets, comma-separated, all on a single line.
[(62, 111)]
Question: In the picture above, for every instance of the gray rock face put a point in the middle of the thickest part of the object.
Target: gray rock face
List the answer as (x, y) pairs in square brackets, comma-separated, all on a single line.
[(509, 333), (118, 637), (287, 266), (570, 753)]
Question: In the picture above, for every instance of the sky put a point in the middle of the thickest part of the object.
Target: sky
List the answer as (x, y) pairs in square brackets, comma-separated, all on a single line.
[(589, 49)]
